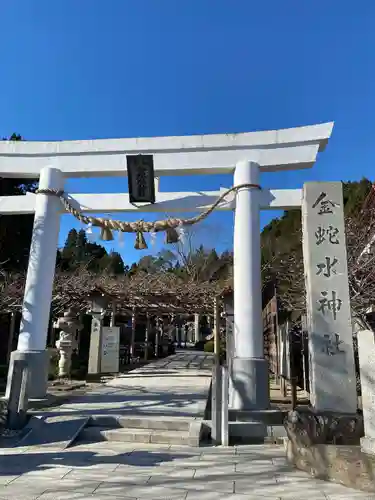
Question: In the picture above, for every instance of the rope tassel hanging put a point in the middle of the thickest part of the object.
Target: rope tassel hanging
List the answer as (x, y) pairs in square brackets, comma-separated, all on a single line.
[(171, 235), (106, 234), (140, 242)]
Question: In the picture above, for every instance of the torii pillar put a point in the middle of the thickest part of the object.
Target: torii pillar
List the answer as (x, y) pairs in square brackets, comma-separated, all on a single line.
[(249, 381), (38, 288)]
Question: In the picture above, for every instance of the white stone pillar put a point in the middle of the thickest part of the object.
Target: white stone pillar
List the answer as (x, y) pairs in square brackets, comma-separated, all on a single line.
[(366, 354), (95, 354), (196, 328), (250, 369), (39, 284), (328, 311)]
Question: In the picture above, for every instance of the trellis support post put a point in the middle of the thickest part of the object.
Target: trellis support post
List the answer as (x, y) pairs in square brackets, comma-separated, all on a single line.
[(38, 288), (147, 332), (132, 339), (157, 338), (196, 327)]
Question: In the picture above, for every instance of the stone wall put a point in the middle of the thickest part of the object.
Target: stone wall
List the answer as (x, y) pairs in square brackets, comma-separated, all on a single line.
[(327, 446), (306, 428), (346, 465), (366, 354)]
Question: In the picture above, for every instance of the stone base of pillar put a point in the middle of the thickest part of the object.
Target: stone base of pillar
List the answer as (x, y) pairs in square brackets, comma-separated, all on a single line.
[(368, 445), (249, 385), (38, 361)]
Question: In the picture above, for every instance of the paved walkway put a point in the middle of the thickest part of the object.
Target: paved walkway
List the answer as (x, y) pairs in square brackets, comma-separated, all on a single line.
[(176, 386), (114, 471)]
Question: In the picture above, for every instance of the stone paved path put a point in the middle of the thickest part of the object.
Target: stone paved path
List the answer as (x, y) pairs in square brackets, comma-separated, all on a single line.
[(114, 471), (174, 386)]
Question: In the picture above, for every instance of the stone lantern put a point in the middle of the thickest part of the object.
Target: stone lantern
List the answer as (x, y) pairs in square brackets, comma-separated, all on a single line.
[(68, 324)]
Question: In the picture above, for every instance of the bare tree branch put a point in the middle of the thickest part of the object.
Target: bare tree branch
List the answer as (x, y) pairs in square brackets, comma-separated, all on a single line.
[(360, 244)]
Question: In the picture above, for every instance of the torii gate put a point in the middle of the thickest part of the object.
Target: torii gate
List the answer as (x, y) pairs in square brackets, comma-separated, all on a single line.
[(245, 154)]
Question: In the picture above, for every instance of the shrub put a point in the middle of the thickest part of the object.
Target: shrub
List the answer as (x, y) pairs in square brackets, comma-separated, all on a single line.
[(53, 370), (209, 346)]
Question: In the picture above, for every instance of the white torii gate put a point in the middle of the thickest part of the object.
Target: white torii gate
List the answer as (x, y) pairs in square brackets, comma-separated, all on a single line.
[(244, 154)]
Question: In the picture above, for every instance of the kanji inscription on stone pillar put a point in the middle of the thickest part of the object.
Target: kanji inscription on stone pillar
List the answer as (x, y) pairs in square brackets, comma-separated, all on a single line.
[(332, 370)]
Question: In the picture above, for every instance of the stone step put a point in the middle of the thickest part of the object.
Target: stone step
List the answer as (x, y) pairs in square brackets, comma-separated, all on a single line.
[(246, 431), (139, 422), (271, 416), (255, 433), (252, 426), (130, 435)]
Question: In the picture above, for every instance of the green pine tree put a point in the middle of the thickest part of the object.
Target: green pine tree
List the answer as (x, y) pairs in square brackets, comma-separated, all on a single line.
[(115, 264)]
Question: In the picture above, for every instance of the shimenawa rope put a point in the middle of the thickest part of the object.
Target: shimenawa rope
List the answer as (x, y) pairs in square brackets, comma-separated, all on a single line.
[(139, 227)]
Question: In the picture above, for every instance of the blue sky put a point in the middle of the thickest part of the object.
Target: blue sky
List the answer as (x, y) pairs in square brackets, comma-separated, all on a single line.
[(87, 69)]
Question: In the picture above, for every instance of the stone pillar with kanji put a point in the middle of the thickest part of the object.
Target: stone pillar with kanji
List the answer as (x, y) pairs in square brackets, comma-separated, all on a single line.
[(329, 324)]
